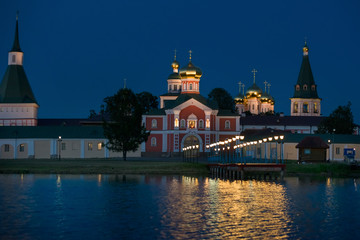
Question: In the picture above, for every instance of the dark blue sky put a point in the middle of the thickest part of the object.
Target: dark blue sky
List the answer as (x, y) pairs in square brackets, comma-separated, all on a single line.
[(78, 52)]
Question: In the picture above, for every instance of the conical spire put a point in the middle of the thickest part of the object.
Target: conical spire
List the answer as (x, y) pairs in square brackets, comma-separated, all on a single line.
[(16, 45), (305, 86)]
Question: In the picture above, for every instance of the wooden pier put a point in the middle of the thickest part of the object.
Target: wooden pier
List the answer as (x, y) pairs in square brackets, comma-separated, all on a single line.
[(236, 171)]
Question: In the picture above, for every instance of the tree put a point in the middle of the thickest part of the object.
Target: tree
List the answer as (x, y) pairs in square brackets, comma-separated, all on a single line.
[(147, 101), (340, 121), (124, 130), (223, 98)]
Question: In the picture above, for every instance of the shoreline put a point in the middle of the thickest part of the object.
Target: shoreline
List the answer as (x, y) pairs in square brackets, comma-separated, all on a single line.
[(154, 166)]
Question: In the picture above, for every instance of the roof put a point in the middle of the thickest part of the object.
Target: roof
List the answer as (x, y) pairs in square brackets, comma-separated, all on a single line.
[(170, 94), (15, 87), (174, 76), (254, 88), (305, 78), (274, 120), (185, 97), (312, 142), (52, 132), (156, 112), (227, 112)]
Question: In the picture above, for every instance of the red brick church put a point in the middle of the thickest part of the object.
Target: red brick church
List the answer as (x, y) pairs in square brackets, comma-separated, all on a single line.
[(185, 117)]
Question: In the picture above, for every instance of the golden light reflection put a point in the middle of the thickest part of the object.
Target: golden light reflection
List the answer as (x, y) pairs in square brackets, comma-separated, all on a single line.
[(227, 210), (58, 181)]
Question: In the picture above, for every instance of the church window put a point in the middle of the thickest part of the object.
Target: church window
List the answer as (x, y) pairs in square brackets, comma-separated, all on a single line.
[(184, 86), (90, 146), (306, 108), (207, 123), (175, 87), (296, 107), (13, 58), (169, 87), (337, 151), (313, 87), (7, 148), (154, 123), (201, 123), (182, 123), (227, 124), (316, 109), (100, 145), (63, 146), (253, 107), (191, 124), (176, 123), (297, 88), (22, 147), (191, 86), (305, 87), (153, 141)]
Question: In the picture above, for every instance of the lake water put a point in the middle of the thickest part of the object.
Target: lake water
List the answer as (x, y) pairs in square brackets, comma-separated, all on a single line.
[(176, 207)]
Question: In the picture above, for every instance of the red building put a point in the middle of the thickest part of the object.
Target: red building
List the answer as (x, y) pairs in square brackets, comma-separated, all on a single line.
[(185, 117)]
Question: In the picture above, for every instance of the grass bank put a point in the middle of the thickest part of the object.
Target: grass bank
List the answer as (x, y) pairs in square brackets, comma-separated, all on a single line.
[(321, 169), (102, 166)]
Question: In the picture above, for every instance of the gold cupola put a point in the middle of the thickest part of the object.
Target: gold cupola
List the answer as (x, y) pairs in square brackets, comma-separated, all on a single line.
[(190, 70)]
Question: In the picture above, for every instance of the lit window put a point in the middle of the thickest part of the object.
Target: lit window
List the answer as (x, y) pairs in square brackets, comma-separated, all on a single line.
[(201, 123), (7, 148), (296, 107), (90, 146), (153, 142), (191, 124), (176, 122), (316, 109), (154, 123), (307, 151), (207, 123), (22, 148), (306, 108), (99, 146), (227, 124), (63, 146), (182, 123)]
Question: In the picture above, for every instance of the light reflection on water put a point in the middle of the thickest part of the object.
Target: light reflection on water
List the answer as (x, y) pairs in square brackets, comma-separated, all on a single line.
[(176, 207)]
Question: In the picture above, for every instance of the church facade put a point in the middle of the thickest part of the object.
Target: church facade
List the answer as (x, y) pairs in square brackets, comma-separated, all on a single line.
[(185, 117)]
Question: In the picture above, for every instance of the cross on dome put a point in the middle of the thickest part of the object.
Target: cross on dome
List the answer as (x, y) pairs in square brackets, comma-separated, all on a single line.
[(254, 71)]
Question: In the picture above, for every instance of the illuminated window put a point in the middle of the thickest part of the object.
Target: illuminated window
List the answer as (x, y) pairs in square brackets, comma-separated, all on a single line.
[(207, 123), (182, 123), (90, 146), (100, 145), (7, 148), (63, 146), (227, 124), (153, 142), (307, 151), (201, 123), (316, 109), (22, 148), (154, 123), (306, 108), (296, 107), (191, 124), (176, 124), (297, 87)]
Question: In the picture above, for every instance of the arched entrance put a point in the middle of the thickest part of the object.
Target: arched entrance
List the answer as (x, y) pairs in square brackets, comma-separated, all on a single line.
[(194, 144)]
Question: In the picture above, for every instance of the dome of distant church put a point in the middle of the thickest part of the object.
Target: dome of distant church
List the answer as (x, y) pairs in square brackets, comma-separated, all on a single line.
[(190, 71), (175, 64), (254, 90), (266, 97)]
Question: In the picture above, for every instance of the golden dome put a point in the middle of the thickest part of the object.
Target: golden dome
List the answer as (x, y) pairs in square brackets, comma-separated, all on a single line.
[(190, 71)]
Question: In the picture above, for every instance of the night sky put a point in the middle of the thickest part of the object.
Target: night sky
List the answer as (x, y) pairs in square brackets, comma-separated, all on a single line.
[(78, 52)]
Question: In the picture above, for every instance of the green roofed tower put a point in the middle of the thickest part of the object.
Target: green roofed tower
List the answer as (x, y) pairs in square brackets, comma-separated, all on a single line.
[(18, 106), (305, 101)]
